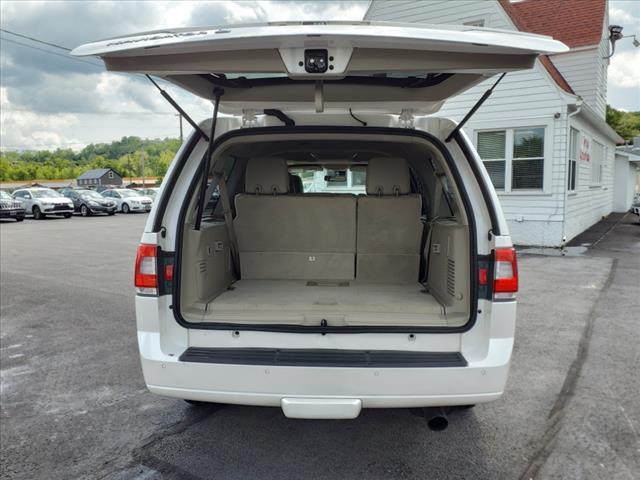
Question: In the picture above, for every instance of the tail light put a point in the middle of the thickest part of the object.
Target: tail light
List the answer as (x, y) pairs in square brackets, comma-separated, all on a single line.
[(146, 274), (505, 278)]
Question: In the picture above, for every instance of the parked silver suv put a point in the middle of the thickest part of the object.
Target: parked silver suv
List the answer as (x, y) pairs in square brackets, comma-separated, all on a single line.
[(44, 201), (10, 207)]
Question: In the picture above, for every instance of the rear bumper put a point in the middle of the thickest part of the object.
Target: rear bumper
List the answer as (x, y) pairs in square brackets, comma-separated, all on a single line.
[(366, 401), (267, 385)]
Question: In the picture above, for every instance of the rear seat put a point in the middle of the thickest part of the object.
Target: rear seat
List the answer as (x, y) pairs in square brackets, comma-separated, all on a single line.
[(389, 227), (287, 236)]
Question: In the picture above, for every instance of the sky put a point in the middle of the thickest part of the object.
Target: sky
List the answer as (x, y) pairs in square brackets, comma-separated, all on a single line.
[(48, 100)]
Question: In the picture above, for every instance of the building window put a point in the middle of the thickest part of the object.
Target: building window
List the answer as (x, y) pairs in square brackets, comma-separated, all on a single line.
[(514, 157), (350, 180), (597, 158), (110, 174), (572, 167), (528, 158), (358, 177)]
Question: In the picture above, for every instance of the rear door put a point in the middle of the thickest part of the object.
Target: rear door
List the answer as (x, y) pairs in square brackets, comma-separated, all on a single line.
[(302, 66)]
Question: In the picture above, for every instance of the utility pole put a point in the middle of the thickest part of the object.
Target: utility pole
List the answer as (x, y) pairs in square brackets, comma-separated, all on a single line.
[(180, 116), (142, 155)]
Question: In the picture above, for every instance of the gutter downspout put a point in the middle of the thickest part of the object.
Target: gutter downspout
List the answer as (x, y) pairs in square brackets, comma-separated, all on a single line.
[(566, 174)]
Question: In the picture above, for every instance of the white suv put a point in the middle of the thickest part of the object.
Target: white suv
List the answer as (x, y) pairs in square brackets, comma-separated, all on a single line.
[(41, 202), (393, 288)]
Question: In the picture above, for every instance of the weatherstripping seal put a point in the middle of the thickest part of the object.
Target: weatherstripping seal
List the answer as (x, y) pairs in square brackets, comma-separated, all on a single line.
[(172, 179), (484, 189), (437, 143), (429, 80)]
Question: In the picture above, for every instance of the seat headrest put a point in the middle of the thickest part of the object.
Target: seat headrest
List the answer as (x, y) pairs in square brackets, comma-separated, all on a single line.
[(295, 184), (266, 176), (388, 176)]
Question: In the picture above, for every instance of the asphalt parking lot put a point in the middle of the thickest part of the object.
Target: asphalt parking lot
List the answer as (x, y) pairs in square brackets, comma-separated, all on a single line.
[(74, 404)]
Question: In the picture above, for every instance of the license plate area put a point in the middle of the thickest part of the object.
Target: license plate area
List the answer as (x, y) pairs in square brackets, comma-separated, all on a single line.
[(321, 408)]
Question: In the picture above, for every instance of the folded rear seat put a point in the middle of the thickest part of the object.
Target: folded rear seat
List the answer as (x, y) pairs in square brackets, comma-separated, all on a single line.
[(389, 226), (286, 236)]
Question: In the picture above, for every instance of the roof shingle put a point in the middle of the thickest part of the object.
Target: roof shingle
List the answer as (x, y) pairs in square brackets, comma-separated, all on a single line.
[(577, 23)]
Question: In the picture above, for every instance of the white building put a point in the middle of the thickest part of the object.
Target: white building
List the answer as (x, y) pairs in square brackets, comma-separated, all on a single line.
[(542, 133), (627, 176)]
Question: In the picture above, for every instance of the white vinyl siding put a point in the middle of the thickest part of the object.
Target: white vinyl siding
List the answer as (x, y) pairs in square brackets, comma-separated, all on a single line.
[(442, 11), (585, 69), (590, 202)]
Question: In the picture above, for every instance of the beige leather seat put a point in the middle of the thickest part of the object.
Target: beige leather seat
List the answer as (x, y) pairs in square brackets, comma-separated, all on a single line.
[(285, 236), (389, 227)]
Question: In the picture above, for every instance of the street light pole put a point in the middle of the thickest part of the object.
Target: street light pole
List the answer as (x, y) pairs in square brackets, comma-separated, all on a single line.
[(142, 154)]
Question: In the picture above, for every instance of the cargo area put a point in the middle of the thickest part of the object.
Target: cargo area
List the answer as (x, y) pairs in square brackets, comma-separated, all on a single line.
[(337, 233)]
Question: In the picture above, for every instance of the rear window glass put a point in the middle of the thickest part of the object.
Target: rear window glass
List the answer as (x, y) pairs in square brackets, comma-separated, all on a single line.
[(331, 180)]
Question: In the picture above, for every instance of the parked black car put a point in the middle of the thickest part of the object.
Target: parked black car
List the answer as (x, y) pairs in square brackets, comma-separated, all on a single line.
[(11, 208), (89, 202)]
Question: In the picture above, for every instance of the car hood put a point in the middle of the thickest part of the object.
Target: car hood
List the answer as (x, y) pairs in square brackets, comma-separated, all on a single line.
[(54, 199)]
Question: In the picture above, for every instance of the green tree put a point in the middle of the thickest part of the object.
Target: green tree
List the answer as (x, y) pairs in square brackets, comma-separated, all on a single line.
[(123, 155), (626, 124)]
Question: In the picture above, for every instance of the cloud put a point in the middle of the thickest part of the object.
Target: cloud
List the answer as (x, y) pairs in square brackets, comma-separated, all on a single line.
[(47, 83), (624, 70), (22, 129), (621, 13), (243, 11)]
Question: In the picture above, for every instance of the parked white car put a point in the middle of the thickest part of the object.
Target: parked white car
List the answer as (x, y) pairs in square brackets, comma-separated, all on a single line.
[(41, 202), (128, 200), (323, 304), (151, 192)]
